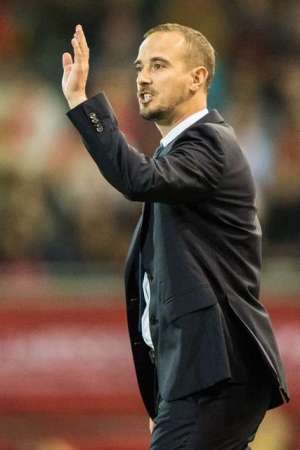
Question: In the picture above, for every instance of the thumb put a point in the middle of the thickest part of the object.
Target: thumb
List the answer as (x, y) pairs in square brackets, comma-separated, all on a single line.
[(67, 61)]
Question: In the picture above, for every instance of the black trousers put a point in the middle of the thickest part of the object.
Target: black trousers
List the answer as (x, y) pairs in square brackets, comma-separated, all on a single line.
[(221, 418)]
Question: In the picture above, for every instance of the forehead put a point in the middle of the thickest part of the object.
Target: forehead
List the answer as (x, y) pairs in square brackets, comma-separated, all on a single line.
[(170, 45)]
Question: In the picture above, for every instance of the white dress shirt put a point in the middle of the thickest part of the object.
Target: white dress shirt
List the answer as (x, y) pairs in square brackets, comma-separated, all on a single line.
[(173, 133)]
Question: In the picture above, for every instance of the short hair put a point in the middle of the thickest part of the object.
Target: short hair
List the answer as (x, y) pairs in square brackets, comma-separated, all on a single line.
[(200, 51)]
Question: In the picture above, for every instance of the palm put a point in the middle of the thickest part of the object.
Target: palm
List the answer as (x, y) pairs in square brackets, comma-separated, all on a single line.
[(72, 80), (76, 71)]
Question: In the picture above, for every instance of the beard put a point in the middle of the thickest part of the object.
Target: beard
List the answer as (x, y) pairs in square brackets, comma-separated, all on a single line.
[(163, 114), (160, 114), (155, 115)]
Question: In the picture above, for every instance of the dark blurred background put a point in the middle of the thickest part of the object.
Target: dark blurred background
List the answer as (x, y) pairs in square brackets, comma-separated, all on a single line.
[(66, 379)]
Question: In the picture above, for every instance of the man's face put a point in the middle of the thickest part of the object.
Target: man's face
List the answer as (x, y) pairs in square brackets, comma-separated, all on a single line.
[(163, 77)]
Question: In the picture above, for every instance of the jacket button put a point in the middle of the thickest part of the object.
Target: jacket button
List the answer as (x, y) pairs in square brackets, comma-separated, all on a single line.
[(99, 128), (92, 115), (133, 300), (152, 319)]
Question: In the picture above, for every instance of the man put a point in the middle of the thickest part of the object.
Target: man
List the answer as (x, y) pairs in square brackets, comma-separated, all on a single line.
[(206, 360)]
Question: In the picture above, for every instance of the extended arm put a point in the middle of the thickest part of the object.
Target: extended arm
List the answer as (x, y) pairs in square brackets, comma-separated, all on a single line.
[(191, 169)]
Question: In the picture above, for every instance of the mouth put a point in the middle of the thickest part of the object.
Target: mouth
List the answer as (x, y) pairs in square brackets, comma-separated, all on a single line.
[(145, 97)]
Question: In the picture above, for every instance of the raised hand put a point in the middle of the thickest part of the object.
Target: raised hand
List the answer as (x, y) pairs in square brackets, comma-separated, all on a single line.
[(76, 71)]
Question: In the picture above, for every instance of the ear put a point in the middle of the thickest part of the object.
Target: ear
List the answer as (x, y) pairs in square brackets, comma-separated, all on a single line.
[(199, 77)]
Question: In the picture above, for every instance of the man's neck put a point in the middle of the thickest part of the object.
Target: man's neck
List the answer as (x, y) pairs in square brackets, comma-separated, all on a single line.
[(165, 128)]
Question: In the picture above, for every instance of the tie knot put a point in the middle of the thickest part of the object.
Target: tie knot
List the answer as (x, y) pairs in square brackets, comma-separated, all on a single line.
[(158, 150)]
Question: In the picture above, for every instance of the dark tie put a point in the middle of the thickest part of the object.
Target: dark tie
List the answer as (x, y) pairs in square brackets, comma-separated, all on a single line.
[(145, 222)]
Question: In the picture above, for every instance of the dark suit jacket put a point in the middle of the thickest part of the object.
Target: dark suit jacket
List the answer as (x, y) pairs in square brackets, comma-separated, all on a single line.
[(207, 252)]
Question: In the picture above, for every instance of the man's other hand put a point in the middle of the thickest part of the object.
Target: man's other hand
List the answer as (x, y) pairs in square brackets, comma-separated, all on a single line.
[(76, 71)]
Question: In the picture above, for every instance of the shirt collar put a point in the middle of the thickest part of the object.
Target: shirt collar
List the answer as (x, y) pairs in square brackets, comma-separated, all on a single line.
[(181, 126)]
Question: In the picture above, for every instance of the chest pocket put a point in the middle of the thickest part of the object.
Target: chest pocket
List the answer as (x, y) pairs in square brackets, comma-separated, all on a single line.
[(188, 301)]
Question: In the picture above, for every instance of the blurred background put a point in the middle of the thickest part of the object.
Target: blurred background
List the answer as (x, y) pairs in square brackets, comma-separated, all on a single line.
[(66, 376)]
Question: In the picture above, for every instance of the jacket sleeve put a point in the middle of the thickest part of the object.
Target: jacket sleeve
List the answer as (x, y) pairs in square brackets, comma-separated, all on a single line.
[(191, 170)]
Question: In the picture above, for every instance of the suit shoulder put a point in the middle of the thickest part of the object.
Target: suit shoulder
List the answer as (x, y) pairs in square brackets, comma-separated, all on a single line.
[(224, 136), (215, 135), (222, 140), (200, 134), (218, 131)]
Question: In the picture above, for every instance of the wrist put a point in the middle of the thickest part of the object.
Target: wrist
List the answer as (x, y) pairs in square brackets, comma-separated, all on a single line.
[(75, 101)]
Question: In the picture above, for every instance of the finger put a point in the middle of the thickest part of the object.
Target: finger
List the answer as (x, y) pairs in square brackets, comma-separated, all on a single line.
[(77, 51), (81, 39), (67, 61), (80, 44)]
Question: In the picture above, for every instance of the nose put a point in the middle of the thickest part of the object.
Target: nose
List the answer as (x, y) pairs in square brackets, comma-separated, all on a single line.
[(143, 77)]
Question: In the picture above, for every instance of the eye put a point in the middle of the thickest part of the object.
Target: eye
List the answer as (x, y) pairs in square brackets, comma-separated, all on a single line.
[(138, 68), (157, 66)]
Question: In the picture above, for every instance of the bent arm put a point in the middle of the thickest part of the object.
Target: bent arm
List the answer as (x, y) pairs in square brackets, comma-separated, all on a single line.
[(190, 170)]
